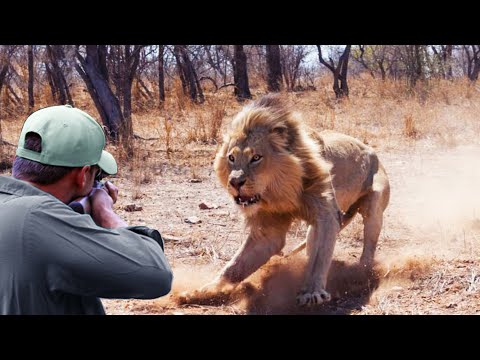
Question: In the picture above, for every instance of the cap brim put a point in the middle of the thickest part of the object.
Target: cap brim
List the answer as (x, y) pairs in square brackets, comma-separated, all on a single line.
[(107, 163)]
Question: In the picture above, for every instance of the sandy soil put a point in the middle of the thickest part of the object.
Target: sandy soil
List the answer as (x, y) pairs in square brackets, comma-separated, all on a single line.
[(427, 257), (429, 249)]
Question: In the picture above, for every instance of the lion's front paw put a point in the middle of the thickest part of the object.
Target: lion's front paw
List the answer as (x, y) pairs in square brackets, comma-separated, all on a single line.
[(210, 294), (314, 298)]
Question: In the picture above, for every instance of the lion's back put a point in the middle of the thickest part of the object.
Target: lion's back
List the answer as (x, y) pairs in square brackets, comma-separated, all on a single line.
[(354, 165)]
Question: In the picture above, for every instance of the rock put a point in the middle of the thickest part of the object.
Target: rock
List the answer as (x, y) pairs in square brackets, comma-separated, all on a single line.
[(132, 207), (193, 220), (207, 205)]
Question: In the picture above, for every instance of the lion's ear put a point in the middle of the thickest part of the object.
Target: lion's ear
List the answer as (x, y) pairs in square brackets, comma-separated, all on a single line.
[(279, 136), (280, 130)]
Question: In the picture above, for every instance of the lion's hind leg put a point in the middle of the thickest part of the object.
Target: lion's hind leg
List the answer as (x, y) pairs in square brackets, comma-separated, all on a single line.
[(372, 208)]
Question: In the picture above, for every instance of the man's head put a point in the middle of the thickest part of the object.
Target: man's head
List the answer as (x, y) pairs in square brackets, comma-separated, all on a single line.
[(57, 140)]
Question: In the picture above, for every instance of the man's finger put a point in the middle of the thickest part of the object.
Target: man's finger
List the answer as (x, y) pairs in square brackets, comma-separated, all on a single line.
[(112, 191)]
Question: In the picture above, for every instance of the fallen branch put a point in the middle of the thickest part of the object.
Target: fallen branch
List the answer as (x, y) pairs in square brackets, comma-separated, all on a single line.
[(213, 81), (223, 86), (7, 143), (139, 137), (172, 238), (297, 249)]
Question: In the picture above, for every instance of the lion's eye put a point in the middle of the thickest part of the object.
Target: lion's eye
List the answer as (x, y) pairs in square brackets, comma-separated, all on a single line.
[(231, 158), (256, 158)]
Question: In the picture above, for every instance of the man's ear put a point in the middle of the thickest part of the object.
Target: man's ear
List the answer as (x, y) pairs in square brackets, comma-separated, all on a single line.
[(82, 175)]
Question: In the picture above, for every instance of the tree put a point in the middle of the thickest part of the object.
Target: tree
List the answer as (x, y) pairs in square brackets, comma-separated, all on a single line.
[(292, 58), (240, 74), (188, 75), (123, 61), (31, 99), (473, 61), (217, 56), (4, 65), (7, 72), (414, 62), (161, 74), (92, 68), (6, 52), (443, 57), (339, 71), (274, 68), (58, 84)]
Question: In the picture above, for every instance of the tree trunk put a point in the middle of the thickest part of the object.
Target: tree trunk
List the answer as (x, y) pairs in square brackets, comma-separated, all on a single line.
[(161, 74), (92, 92), (419, 63), (146, 93), (131, 60), (107, 104), (343, 71), (51, 83), (476, 70), (127, 127), (240, 74), (188, 76), (56, 74), (31, 99), (3, 75), (340, 85), (215, 63), (448, 60), (473, 61), (102, 62), (382, 70), (59, 54), (274, 68), (15, 98)]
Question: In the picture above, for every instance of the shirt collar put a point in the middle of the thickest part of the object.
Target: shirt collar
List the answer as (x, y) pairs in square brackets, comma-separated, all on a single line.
[(13, 186)]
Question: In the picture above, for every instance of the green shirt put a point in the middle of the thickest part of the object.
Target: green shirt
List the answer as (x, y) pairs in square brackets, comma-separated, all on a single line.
[(56, 261)]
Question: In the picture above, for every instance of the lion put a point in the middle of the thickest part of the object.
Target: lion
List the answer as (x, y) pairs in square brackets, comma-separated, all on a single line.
[(276, 170)]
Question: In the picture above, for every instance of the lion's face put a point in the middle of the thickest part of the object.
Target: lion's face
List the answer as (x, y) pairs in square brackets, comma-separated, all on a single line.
[(242, 165), (258, 171)]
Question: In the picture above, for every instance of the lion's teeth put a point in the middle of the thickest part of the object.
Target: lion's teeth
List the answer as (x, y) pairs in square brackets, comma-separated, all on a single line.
[(253, 200)]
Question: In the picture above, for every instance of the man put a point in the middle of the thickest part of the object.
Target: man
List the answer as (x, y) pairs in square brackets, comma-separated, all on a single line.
[(52, 259)]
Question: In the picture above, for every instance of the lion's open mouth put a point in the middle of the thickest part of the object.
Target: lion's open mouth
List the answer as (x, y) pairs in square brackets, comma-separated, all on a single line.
[(246, 200)]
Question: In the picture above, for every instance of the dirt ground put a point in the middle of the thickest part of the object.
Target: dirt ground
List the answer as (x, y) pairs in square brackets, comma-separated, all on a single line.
[(427, 257)]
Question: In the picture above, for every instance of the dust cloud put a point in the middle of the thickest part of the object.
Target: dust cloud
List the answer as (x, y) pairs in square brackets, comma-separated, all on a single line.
[(434, 213), (437, 199)]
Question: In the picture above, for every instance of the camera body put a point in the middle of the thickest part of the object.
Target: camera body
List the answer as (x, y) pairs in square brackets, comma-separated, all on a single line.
[(82, 204)]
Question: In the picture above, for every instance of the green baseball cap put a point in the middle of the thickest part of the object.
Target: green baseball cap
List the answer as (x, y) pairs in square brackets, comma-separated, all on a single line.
[(70, 137)]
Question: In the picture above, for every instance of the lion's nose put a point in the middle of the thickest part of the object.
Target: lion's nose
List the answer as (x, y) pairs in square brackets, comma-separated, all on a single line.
[(237, 183)]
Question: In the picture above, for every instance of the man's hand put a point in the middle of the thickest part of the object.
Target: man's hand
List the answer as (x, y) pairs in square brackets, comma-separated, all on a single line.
[(102, 200), (112, 190)]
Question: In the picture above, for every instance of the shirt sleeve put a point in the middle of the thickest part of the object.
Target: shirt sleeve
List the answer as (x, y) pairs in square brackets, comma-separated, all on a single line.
[(81, 258)]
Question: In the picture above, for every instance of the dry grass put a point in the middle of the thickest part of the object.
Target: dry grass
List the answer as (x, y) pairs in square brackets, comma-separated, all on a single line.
[(384, 114), (408, 128)]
